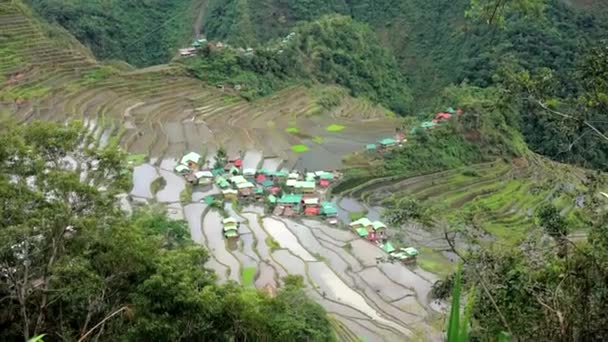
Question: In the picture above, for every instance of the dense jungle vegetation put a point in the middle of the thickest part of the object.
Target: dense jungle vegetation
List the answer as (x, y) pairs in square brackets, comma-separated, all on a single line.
[(73, 264), (333, 49), (140, 32), (530, 82)]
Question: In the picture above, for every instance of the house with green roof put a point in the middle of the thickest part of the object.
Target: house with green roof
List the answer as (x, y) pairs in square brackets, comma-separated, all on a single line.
[(249, 172), (328, 209), (230, 194), (428, 124), (229, 222), (267, 183), (387, 143), (238, 180), (388, 248), (406, 255), (363, 222), (231, 234), (272, 199), (182, 169), (191, 160), (290, 200), (327, 176), (378, 225), (371, 147), (218, 172), (305, 187), (234, 170), (279, 174), (362, 232), (222, 182)]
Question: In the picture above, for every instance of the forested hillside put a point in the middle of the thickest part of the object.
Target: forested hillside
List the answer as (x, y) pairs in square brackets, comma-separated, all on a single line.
[(139, 32), (332, 49)]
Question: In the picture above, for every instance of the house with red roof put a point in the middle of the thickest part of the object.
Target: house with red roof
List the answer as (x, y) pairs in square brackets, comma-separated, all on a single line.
[(443, 116)]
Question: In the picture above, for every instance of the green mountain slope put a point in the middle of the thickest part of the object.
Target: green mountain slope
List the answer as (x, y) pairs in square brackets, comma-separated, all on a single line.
[(140, 32), (433, 43)]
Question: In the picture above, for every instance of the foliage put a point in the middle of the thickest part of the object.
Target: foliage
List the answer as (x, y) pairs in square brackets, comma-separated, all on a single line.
[(299, 148), (540, 294), (142, 33), (247, 276), (552, 222), (334, 128), (331, 50), (569, 126), (71, 262), (403, 209)]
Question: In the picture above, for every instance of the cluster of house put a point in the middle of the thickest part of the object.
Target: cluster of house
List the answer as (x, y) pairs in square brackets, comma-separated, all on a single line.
[(287, 193), (438, 119), (390, 143), (387, 143), (375, 232), (197, 44)]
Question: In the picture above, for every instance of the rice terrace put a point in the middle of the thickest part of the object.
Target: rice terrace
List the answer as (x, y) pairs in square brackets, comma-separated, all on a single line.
[(287, 176)]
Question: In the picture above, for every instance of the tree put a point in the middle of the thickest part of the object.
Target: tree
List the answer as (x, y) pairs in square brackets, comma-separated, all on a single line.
[(74, 267)]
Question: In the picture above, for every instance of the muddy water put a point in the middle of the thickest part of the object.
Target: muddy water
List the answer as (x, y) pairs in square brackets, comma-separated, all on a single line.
[(404, 276), (378, 281), (201, 192), (351, 205), (175, 211), (260, 235), (212, 224), (143, 176), (317, 158), (168, 164), (272, 164), (286, 239), (248, 242), (409, 304), (232, 213), (194, 216), (292, 263), (308, 240), (266, 276), (336, 235), (363, 331), (175, 184), (252, 159), (335, 289), (354, 264), (252, 208), (366, 252)]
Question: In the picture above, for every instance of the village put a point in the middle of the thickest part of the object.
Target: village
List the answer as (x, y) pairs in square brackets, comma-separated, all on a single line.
[(283, 194), (294, 194)]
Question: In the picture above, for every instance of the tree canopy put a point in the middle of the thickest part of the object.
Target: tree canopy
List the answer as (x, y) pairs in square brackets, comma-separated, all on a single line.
[(73, 265)]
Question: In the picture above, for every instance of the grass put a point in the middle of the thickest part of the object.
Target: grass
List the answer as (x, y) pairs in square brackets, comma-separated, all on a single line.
[(292, 130), (354, 216), (334, 128), (434, 262), (247, 276), (136, 159), (272, 244), (186, 195), (157, 184), (300, 148)]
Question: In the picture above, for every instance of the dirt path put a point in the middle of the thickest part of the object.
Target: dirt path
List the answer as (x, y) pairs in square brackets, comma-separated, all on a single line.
[(198, 24)]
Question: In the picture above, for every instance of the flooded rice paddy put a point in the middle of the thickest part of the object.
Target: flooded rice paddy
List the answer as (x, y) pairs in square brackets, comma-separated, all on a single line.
[(348, 276)]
